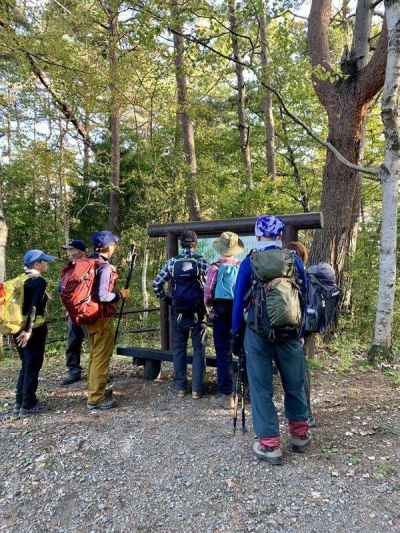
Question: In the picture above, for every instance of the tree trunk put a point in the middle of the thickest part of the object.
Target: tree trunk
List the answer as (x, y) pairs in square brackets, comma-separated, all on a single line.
[(267, 96), (183, 117), (340, 186), (390, 172), (3, 243), (86, 151), (62, 184), (362, 29), (346, 101), (145, 293), (114, 215), (244, 129)]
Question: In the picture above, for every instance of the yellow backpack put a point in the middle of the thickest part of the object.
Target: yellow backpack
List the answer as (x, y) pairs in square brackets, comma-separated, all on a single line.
[(11, 302)]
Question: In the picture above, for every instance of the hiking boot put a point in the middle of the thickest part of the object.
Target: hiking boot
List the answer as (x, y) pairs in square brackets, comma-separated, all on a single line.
[(104, 405), (71, 378), (180, 394), (38, 408), (196, 395), (299, 444), (265, 453), (16, 409)]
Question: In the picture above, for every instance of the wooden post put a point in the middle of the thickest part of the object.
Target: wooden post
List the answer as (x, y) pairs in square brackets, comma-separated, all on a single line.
[(172, 251), (165, 311), (290, 233)]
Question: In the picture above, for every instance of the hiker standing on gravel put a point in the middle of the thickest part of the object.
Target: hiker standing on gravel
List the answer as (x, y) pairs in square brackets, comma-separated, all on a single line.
[(75, 249), (101, 333), (218, 299), (187, 274), (31, 339), (274, 279)]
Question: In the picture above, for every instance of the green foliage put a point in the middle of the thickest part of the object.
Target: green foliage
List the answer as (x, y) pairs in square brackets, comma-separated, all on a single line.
[(44, 188)]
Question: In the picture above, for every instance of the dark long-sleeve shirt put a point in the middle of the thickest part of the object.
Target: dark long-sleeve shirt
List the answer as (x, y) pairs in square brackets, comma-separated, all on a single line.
[(35, 300), (243, 284)]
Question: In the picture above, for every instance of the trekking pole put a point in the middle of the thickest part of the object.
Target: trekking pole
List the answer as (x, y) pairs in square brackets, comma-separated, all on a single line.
[(240, 389), (236, 399), (132, 256), (243, 391)]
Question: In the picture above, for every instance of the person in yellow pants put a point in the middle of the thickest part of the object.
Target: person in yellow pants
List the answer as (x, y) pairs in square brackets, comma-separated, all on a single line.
[(101, 333)]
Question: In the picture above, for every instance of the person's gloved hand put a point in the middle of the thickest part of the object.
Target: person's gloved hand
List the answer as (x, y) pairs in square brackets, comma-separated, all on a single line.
[(167, 300), (124, 293), (237, 344)]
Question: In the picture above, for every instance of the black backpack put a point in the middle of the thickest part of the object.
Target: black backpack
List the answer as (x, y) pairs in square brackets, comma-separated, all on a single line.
[(322, 300), (187, 285)]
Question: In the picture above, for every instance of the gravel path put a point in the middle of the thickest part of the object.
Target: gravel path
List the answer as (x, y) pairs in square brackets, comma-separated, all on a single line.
[(158, 464)]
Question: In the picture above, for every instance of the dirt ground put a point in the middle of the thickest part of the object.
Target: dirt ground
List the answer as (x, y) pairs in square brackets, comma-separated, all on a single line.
[(159, 464)]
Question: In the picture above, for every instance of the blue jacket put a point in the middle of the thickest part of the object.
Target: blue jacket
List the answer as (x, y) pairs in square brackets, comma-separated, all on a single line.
[(243, 284)]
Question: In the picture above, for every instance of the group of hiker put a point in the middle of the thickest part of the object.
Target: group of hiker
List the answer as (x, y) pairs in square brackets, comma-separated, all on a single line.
[(88, 291), (261, 308)]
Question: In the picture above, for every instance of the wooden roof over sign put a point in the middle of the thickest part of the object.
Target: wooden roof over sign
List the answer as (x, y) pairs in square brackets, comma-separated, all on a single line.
[(243, 226)]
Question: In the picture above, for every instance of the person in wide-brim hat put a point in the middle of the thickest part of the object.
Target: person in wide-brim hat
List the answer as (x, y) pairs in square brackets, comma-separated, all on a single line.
[(229, 244), (218, 298)]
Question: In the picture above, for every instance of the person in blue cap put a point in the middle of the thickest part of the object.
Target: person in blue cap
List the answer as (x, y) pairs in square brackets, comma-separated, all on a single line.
[(31, 340), (264, 344), (75, 249), (101, 333)]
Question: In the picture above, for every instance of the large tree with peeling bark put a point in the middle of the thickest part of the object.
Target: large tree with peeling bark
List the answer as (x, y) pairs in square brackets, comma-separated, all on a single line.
[(390, 174), (346, 92)]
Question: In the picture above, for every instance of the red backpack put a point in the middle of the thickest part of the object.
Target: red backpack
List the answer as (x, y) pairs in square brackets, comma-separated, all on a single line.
[(76, 288)]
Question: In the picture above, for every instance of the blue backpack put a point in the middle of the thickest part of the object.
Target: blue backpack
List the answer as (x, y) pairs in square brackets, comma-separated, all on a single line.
[(323, 297), (187, 285), (226, 280)]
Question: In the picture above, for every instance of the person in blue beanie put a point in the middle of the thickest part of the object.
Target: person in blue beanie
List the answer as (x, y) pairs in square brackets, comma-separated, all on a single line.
[(101, 333), (31, 340), (264, 343)]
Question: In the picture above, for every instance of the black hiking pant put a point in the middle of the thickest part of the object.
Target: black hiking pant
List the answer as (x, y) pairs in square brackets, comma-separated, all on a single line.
[(74, 348), (31, 362)]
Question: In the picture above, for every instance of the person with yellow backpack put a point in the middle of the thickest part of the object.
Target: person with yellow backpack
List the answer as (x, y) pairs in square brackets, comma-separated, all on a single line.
[(23, 314)]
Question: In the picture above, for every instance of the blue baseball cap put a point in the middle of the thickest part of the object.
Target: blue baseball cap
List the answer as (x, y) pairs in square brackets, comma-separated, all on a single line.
[(32, 256), (76, 243), (101, 239), (268, 226)]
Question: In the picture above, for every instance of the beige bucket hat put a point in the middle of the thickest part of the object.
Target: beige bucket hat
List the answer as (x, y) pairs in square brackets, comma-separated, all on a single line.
[(228, 243)]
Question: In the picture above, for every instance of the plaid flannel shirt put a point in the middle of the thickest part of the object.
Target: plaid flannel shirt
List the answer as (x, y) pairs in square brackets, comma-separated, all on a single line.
[(166, 271)]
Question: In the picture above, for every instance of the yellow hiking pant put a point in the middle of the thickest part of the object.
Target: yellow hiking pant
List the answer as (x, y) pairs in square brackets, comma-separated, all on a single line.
[(101, 340)]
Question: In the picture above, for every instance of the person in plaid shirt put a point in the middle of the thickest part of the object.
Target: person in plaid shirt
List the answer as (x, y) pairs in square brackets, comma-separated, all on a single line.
[(187, 274)]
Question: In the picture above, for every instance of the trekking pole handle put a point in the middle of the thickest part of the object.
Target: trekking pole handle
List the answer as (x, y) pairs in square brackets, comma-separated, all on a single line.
[(132, 261)]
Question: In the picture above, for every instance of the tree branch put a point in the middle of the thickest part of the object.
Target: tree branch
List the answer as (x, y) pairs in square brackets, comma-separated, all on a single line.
[(62, 105), (372, 76), (368, 171), (59, 103), (319, 19)]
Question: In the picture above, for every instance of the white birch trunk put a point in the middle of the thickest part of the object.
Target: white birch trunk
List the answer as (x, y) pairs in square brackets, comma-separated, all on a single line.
[(390, 171)]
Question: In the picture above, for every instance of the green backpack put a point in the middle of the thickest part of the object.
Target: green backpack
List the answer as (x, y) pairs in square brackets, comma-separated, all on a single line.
[(275, 295)]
